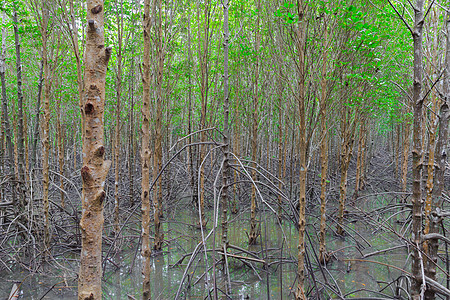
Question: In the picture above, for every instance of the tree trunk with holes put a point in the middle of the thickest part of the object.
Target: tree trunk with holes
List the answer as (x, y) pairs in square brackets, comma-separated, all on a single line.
[(95, 167), (301, 99), (145, 155), (416, 229)]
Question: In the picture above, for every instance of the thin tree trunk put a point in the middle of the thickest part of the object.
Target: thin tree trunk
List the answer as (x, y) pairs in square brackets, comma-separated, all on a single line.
[(46, 127), (204, 88), (323, 256), (95, 167), (226, 133), (157, 162), (131, 152), (253, 235), (38, 107), (117, 128)]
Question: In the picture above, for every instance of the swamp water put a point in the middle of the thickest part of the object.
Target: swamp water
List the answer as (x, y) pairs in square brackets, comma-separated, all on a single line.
[(123, 271)]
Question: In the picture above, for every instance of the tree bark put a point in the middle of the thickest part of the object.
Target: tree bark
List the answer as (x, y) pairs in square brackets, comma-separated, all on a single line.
[(95, 167)]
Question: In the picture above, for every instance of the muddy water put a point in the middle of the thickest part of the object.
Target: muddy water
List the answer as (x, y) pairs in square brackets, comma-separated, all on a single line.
[(123, 275)]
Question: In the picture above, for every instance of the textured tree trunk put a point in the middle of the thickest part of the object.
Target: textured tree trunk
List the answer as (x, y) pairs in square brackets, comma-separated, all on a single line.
[(417, 150), (145, 154), (301, 44), (253, 235), (95, 167)]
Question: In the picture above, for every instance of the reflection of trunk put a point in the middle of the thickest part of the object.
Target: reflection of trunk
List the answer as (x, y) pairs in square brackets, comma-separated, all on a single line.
[(253, 235), (119, 21), (145, 154), (5, 117), (323, 256), (157, 159), (348, 138), (440, 158), (301, 43), (417, 151), (95, 168)]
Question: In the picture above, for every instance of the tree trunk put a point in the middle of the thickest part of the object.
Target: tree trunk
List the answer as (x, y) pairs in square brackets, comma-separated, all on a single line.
[(323, 256), (38, 107), (20, 138), (417, 150), (95, 167), (145, 154), (46, 128), (157, 159), (301, 44), (226, 133)]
